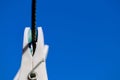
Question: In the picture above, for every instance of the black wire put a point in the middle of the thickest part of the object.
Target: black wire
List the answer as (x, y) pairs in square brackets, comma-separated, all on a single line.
[(33, 28)]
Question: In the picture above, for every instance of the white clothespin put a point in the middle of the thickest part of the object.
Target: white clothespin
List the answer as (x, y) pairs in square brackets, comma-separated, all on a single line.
[(33, 67)]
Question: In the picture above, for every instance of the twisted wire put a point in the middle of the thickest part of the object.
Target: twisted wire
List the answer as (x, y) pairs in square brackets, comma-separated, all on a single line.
[(34, 33)]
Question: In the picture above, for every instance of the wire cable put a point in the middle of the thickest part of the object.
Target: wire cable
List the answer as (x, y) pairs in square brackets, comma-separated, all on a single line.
[(33, 28)]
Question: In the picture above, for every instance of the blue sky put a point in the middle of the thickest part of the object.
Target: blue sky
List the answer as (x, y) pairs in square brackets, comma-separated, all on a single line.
[(83, 35)]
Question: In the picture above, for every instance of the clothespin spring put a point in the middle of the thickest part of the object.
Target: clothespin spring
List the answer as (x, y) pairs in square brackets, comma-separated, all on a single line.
[(32, 75)]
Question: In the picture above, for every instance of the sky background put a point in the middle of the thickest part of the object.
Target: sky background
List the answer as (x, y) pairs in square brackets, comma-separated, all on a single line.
[(83, 35)]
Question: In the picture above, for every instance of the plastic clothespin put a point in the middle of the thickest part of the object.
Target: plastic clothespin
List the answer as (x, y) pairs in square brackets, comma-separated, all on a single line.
[(33, 67)]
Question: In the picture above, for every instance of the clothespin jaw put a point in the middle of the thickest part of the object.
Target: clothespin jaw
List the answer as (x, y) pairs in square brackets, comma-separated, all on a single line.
[(33, 67)]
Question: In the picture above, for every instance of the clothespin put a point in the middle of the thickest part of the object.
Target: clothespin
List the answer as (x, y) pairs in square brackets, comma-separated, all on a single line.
[(33, 64), (33, 67)]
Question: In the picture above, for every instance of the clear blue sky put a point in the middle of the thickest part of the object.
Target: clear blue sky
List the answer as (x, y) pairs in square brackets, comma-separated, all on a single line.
[(84, 37)]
